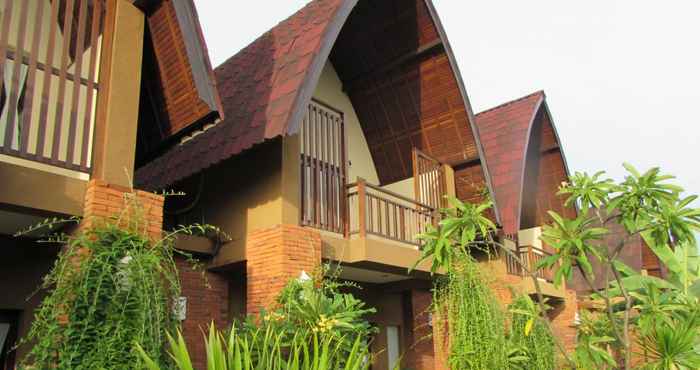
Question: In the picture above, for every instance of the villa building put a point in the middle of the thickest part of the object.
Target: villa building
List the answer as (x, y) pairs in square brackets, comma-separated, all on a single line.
[(334, 137), (345, 127), (80, 80)]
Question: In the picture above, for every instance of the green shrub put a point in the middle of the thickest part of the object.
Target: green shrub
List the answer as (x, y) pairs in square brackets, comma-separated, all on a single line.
[(269, 347), (313, 326)]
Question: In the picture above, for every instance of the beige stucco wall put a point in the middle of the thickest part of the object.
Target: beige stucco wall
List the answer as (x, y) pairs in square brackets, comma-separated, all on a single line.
[(403, 187), (239, 196), (330, 91)]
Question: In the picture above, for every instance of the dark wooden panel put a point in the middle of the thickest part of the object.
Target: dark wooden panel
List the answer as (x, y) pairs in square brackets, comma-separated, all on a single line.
[(402, 86), (182, 103)]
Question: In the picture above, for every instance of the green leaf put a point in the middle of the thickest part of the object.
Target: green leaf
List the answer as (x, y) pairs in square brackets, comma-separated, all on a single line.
[(631, 170), (150, 364)]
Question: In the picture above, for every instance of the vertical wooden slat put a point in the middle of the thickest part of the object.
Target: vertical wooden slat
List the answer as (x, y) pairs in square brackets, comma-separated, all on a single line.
[(343, 174), (302, 172), (362, 207), (72, 129), (37, 34), (314, 154), (326, 167), (65, 57), (402, 221), (387, 218), (14, 88), (396, 220), (305, 165), (335, 185), (46, 87), (4, 38), (95, 31)]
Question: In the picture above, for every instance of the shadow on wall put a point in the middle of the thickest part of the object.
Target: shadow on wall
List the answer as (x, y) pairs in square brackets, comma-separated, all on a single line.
[(23, 266)]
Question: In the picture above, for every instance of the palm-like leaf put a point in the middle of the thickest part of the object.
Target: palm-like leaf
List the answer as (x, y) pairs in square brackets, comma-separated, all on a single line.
[(574, 241)]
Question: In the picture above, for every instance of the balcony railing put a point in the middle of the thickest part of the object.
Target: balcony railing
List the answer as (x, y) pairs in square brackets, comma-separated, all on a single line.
[(49, 65), (530, 256), (430, 181), (379, 212)]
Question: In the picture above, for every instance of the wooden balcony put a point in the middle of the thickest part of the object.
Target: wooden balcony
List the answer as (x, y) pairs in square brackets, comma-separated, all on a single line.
[(378, 212), (361, 209), (49, 65), (531, 256)]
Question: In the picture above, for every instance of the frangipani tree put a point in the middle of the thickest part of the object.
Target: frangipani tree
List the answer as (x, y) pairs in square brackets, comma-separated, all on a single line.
[(661, 315)]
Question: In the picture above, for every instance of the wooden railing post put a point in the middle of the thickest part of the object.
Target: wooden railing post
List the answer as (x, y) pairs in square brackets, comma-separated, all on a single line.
[(362, 207), (345, 212)]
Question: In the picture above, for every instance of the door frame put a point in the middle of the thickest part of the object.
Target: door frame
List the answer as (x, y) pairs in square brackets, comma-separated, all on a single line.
[(7, 353)]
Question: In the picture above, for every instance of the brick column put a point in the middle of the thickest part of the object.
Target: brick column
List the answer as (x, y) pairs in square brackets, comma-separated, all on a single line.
[(275, 255), (500, 281), (207, 302), (420, 352), (563, 316), (107, 202)]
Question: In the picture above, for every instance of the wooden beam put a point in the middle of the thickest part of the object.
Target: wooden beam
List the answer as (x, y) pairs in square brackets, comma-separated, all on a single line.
[(118, 105), (458, 165)]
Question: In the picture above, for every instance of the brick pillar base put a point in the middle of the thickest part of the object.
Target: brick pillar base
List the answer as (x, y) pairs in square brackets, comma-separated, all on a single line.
[(207, 302), (420, 352), (275, 255), (563, 317), (112, 203)]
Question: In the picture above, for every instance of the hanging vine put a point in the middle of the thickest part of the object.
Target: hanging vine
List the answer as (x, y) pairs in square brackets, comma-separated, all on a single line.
[(111, 286), (466, 307), (470, 322)]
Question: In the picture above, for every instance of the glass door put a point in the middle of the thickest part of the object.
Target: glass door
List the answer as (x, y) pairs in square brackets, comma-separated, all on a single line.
[(8, 338)]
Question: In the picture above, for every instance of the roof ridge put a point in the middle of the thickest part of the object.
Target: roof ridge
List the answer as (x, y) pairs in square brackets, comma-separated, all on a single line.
[(538, 92)]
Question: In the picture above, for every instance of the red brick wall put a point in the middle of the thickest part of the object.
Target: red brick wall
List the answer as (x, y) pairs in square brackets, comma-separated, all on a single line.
[(562, 316), (562, 313), (420, 354), (207, 302), (105, 202), (275, 255)]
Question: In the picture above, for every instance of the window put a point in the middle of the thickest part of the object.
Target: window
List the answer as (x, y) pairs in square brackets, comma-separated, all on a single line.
[(392, 346)]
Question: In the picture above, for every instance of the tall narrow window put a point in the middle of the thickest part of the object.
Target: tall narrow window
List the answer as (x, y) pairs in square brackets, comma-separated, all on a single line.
[(392, 346), (323, 168)]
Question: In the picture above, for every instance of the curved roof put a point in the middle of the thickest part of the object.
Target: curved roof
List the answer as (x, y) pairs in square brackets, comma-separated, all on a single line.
[(505, 132), (262, 88), (266, 87)]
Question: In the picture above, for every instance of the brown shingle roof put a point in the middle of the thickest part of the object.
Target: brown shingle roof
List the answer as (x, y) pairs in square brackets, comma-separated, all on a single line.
[(504, 131), (265, 89), (260, 88)]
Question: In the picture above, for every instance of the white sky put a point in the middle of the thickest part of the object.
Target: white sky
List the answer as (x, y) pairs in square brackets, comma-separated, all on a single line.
[(622, 76)]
